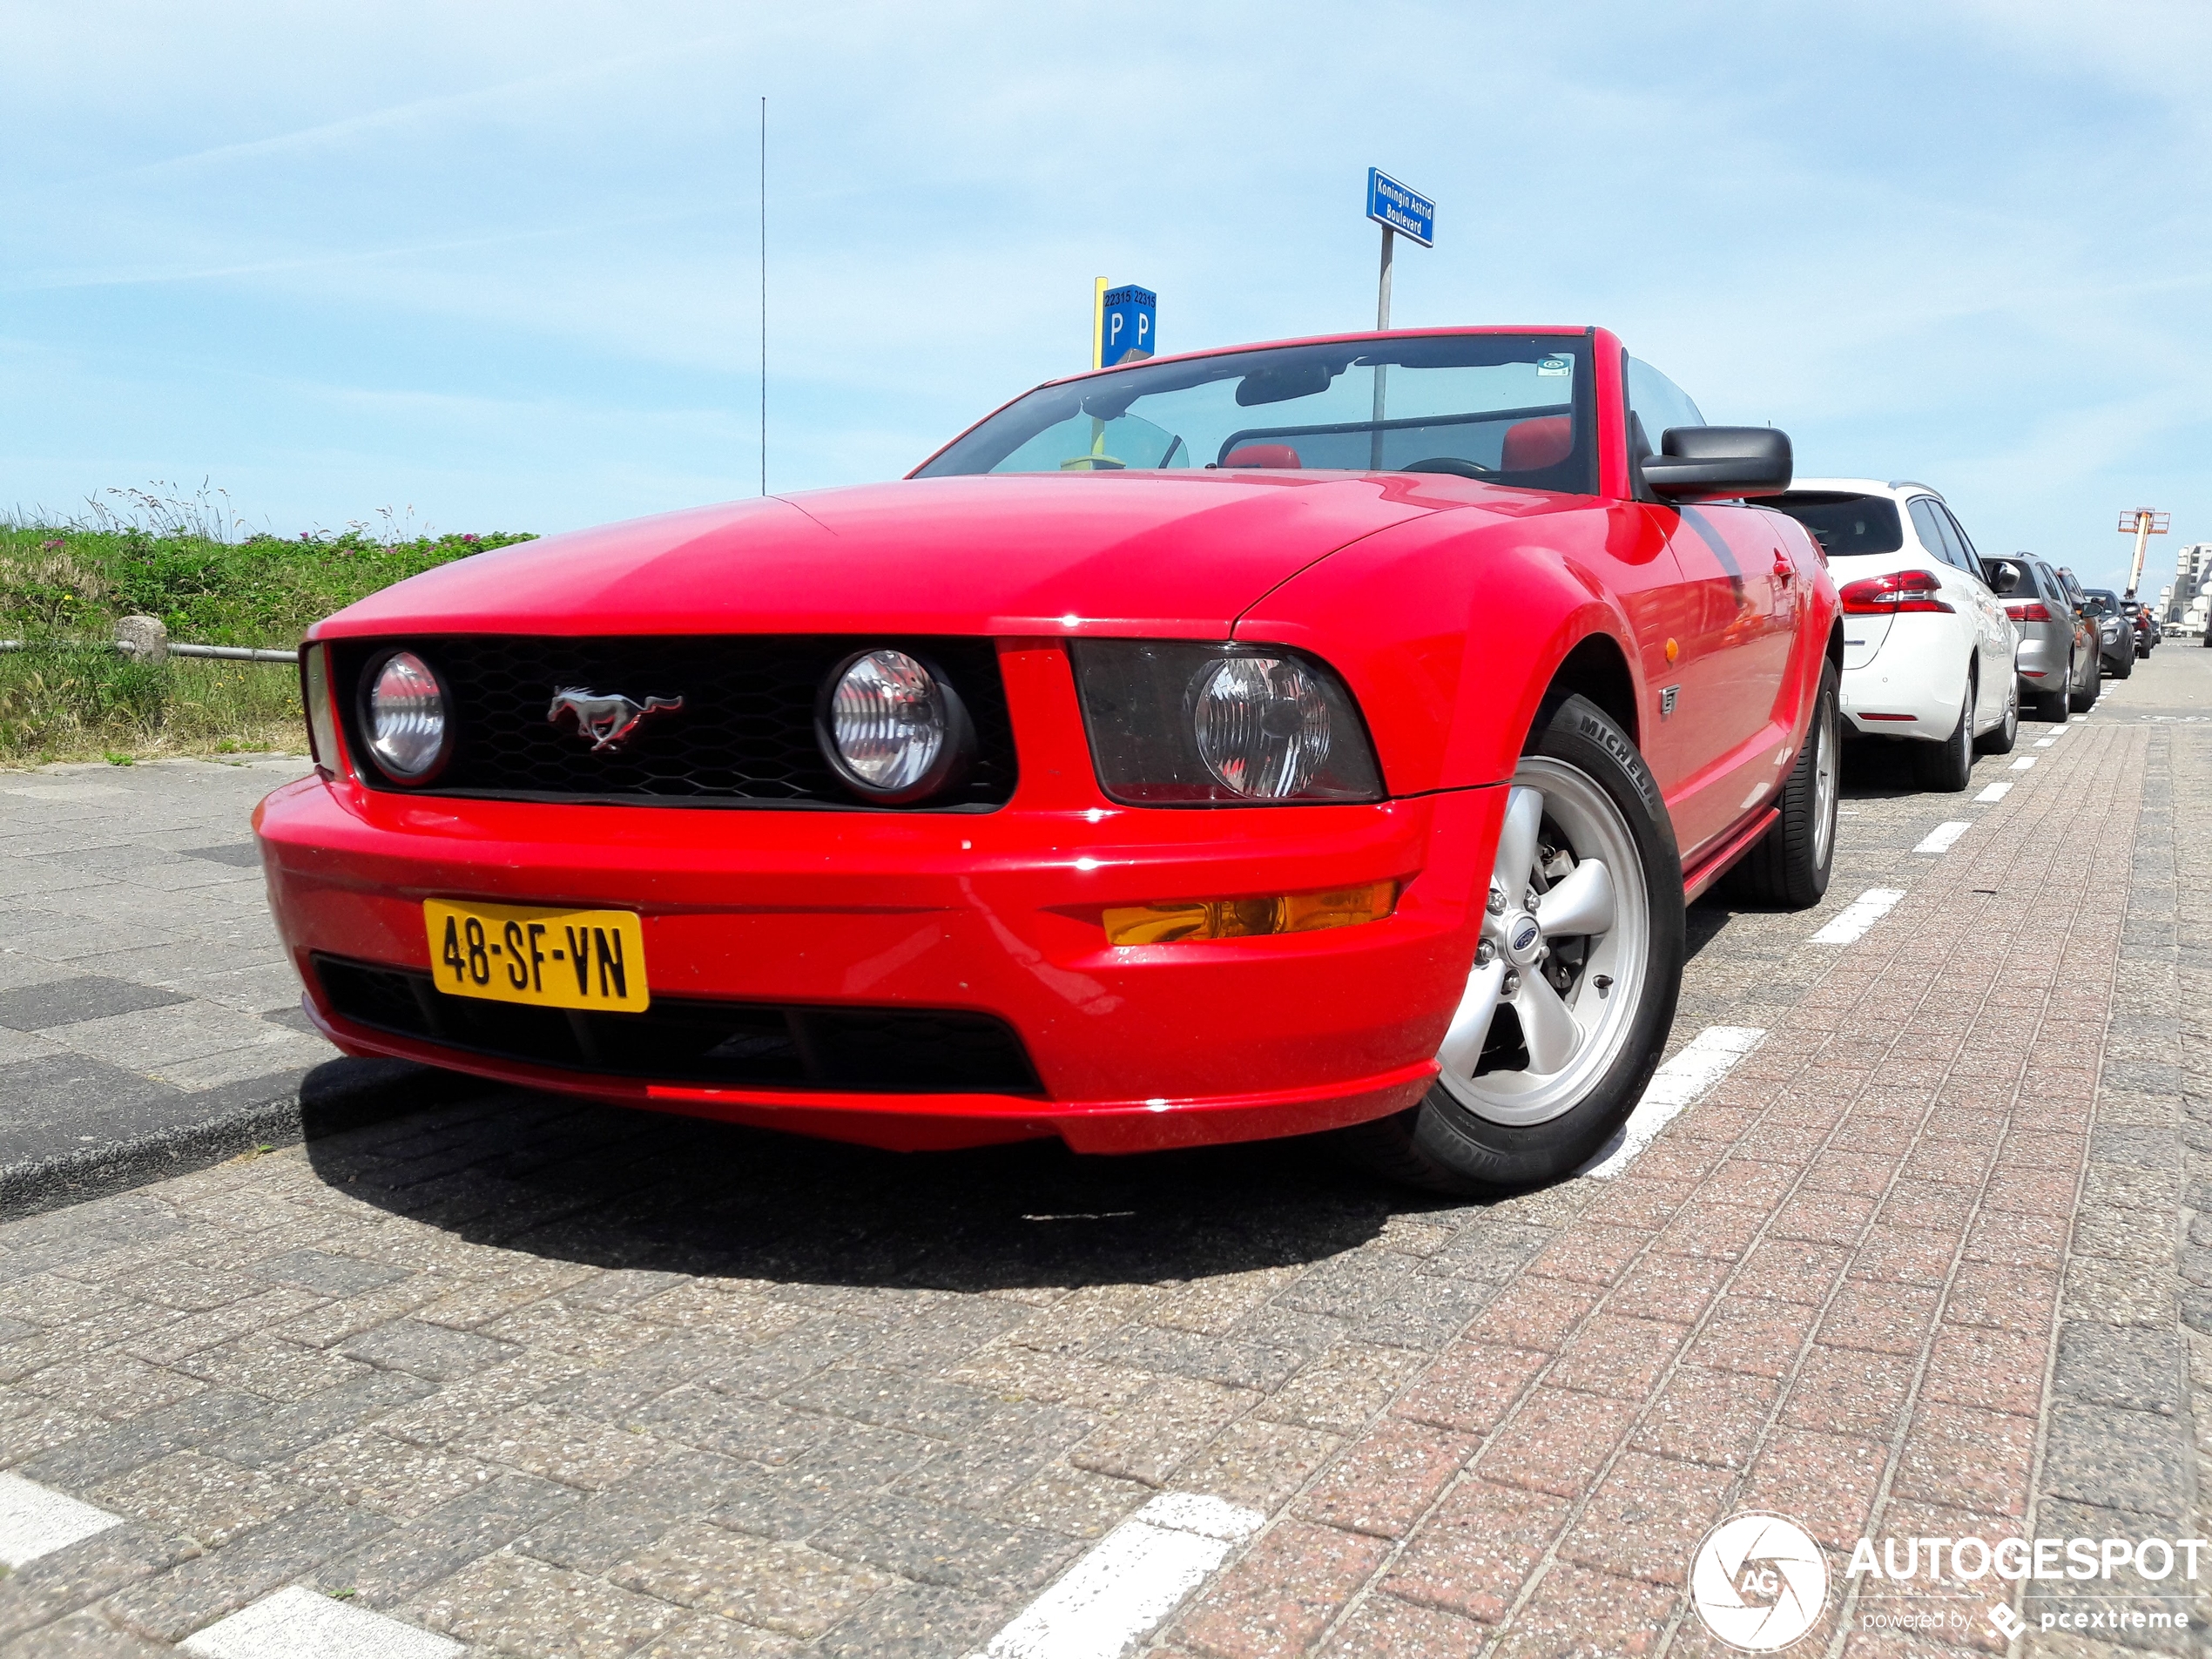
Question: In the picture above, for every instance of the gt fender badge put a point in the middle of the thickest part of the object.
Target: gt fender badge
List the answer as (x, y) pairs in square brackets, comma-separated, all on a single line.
[(607, 721), (1667, 696)]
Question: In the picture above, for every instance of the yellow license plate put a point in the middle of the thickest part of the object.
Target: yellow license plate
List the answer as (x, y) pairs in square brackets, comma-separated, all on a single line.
[(552, 958)]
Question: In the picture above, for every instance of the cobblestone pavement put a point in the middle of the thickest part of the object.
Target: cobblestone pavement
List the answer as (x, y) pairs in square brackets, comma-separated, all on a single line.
[(550, 1379), (141, 990)]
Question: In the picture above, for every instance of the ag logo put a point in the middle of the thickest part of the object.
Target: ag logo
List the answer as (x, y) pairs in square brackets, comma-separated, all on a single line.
[(1758, 1581)]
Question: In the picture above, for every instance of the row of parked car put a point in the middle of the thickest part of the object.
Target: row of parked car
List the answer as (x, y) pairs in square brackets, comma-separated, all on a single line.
[(2148, 630), (1941, 645)]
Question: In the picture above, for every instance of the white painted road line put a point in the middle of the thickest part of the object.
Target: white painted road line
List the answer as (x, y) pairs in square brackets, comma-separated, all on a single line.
[(2024, 763), (1943, 837), (35, 1522), (298, 1624), (2045, 743), (1995, 792), (1854, 919), (1712, 1054), (1129, 1582)]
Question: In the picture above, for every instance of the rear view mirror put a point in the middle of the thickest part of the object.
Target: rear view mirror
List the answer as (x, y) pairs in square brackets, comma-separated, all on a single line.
[(2004, 576), (1280, 384), (1719, 463)]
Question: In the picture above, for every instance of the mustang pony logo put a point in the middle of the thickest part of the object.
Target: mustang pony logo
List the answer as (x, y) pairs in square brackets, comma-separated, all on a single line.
[(608, 721)]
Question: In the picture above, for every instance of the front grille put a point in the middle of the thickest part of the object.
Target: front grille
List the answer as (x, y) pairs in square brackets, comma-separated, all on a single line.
[(744, 735), (893, 1051)]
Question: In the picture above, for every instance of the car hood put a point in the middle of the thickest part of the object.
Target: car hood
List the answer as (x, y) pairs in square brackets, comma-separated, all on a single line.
[(1099, 553)]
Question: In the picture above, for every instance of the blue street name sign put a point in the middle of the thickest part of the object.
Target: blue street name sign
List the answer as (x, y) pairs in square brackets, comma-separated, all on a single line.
[(1130, 327), (1394, 206)]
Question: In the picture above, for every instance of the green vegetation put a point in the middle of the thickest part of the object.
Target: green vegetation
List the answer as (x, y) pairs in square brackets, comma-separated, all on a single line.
[(67, 694)]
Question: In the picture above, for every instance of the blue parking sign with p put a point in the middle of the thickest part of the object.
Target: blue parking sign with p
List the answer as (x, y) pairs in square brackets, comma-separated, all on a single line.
[(1130, 328)]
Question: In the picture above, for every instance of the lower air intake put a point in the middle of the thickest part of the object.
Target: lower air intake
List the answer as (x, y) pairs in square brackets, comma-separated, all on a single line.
[(893, 1051)]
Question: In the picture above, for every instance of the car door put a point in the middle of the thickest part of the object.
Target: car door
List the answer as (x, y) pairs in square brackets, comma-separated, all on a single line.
[(2059, 599), (1937, 540), (1730, 626), (2086, 666), (1998, 640)]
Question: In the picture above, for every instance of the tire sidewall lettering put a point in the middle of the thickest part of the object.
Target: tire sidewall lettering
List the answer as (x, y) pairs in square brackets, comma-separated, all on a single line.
[(1609, 739)]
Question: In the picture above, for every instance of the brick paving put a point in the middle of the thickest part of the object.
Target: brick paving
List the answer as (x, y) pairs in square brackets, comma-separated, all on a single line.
[(142, 990), (553, 1379)]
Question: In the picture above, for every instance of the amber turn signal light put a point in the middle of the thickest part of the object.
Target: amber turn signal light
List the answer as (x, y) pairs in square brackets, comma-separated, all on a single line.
[(1173, 922)]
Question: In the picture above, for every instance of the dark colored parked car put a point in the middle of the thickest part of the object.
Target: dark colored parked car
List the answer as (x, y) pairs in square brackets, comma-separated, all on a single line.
[(2147, 627), (2115, 634), (2058, 660)]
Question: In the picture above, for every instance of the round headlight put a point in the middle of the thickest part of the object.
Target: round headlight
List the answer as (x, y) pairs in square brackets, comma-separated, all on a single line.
[(1262, 723), (894, 731), (404, 709)]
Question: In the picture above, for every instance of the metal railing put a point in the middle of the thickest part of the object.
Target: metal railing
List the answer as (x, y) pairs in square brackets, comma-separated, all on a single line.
[(146, 639)]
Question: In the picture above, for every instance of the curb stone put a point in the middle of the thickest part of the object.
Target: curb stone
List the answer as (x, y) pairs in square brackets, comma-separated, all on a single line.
[(270, 1111)]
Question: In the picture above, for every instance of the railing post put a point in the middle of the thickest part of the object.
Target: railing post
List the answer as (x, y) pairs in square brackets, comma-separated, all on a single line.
[(144, 639)]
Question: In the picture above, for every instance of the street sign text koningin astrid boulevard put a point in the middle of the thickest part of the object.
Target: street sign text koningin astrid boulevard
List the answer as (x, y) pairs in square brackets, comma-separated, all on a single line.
[(1396, 208)]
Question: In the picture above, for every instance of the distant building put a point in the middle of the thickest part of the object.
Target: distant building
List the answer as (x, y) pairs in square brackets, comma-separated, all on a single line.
[(2192, 575)]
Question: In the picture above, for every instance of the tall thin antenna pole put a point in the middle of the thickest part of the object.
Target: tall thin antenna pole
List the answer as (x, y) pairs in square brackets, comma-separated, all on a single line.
[(763, 294)]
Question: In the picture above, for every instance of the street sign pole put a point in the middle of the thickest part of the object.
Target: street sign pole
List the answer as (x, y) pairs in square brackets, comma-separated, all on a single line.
[(1382, 370), (1382, 283), (1394, 207)]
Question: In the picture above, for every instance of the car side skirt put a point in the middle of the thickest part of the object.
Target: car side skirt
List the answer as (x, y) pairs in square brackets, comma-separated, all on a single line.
[(1698, 879)]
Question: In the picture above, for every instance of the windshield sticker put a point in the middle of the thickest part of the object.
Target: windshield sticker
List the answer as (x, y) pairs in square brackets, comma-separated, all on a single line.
[(1553, 366)]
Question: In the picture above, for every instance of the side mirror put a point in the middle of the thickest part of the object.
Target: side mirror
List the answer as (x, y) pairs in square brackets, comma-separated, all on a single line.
[(2004, 576), (1718, 463)]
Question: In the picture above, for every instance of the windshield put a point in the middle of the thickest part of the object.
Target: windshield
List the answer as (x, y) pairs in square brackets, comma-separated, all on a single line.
[(1515, 408), (1844, 525)]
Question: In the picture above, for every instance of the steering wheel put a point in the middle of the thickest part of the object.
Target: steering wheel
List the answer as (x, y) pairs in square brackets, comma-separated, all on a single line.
[(1452, 465)]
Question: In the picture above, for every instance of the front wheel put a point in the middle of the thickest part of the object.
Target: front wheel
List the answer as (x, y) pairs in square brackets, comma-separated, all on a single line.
[(2122, 667), (1572, 993)]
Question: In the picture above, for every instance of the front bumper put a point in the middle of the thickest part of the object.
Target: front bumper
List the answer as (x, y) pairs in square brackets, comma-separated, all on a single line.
[(995, 913)]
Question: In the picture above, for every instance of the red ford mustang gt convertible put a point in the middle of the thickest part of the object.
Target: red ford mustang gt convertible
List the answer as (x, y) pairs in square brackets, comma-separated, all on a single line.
[(1320, 735)]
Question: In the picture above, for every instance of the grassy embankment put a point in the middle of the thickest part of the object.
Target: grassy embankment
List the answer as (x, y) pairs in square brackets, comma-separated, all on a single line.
[(62, 586)]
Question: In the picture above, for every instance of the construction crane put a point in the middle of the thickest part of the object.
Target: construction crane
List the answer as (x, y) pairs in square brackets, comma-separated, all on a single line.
[(2144, 523)]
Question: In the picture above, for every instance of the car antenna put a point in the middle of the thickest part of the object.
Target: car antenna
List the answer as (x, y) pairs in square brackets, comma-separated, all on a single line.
[(763, 293)]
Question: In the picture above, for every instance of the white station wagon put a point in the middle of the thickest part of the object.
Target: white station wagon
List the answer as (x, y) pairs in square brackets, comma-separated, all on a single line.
[(1928, 649)]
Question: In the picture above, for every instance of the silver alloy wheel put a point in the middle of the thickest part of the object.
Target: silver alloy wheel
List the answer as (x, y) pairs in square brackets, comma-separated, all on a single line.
[(1824, 768), (1588, 889)]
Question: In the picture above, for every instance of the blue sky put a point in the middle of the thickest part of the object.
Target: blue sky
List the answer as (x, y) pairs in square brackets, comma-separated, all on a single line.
[(498, 262)]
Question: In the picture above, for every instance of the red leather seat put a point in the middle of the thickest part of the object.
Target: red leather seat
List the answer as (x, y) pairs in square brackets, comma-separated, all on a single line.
[(1544, 442), (1264, 455)]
